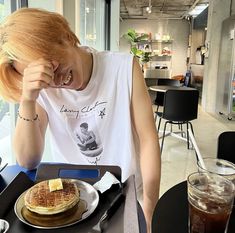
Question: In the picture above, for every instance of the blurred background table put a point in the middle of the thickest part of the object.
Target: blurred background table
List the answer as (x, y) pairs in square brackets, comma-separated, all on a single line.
[(163, 88)]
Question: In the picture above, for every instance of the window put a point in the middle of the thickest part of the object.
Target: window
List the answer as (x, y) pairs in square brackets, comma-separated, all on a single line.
[(92, 23), (7, 111)]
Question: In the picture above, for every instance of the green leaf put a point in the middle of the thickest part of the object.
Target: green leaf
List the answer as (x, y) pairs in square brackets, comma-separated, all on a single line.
[(143, 37)]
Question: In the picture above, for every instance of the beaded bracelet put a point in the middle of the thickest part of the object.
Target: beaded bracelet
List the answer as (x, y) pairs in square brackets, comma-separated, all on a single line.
[(26, 119)]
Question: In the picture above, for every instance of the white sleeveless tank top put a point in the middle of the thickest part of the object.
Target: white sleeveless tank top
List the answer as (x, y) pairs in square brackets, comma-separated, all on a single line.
[(93, 126)]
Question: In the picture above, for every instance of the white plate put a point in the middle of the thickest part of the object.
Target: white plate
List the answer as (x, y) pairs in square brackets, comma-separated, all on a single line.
[(87, 193)]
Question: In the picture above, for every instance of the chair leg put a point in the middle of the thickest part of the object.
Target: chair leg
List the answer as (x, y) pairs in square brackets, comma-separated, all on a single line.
[(155, 118), (191, 126), (159, 124), (187, 136), (157, 108), (163, 136)]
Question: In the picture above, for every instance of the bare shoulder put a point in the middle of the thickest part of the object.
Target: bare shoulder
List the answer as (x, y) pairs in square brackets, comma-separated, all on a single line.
[(137, 69), (139, 86)]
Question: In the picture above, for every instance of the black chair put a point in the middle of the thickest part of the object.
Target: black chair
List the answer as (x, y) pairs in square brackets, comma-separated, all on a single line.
[(226, 143), (180, 107), (160, 95)]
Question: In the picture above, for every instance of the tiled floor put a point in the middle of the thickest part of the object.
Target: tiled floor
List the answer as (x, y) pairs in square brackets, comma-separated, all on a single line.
[(178, 162)]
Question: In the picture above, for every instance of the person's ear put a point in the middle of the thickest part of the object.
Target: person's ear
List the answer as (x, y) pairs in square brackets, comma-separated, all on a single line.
[(55, 65)]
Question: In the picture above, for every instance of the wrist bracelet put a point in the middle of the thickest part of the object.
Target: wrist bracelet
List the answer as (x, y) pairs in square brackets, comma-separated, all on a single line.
[(27, 119)]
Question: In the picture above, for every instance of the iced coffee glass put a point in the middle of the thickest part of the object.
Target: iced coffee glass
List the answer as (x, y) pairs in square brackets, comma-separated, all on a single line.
[(210, 198), (218, 166)]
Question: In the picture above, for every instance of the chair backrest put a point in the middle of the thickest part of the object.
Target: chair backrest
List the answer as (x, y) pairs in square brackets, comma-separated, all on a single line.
[(168, 82), (181, 105), (226, 144), (165, 82)]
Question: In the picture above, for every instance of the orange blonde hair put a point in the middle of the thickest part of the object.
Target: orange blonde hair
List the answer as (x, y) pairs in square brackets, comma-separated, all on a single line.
[(26, 35)]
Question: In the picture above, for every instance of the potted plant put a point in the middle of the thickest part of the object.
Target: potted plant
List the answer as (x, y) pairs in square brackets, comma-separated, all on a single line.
[(145, 57), (134, 38)]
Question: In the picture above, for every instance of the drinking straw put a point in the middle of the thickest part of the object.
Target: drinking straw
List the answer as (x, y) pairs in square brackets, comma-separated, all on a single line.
[(198, 154)]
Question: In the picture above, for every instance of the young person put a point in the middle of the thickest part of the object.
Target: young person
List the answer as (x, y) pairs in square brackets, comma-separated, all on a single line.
[(59, 83)]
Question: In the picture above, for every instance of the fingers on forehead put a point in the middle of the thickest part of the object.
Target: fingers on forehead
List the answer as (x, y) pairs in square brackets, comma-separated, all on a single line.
[(41, 61)]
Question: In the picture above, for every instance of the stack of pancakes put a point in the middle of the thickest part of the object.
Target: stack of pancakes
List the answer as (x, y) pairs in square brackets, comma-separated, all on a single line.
[(40, 200)]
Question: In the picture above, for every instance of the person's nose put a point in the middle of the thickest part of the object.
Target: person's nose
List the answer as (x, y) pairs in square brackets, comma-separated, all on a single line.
[(55, 65)]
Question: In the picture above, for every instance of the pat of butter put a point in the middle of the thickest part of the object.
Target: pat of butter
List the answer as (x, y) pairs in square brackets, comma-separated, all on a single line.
[(55, 184)]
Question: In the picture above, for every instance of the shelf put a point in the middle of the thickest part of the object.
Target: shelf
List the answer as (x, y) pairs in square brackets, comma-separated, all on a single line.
[(157, 73), (155, 41), (162, 41), (161, 55), (160, 59)]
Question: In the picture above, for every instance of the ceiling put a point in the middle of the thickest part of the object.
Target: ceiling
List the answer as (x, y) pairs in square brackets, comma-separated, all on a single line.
[(170, 9)]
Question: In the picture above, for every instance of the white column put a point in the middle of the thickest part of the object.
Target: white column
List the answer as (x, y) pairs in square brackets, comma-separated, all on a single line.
[(218, 11), (115, 19)]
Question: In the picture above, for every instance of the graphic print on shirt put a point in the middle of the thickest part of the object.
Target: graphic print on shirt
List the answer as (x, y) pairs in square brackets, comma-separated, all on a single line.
[(82, 127), (89, 142)]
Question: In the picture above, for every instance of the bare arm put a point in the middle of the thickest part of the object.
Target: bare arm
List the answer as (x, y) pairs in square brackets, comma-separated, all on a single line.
[(29, 136), (150, 162), (92, 137)]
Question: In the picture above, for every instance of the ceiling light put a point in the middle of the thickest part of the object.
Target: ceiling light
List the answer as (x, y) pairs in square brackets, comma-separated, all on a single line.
[(198, 9), (149, 8), (87, 10)]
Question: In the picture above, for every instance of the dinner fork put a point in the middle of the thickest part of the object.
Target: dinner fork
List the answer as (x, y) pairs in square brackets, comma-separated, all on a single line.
[(99, 227)]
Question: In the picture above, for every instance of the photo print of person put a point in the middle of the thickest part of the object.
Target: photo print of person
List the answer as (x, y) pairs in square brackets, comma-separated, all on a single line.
[(85, 134), (86, 138)]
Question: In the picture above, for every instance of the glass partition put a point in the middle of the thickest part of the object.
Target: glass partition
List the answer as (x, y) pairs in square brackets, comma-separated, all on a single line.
[(7, 113), (91, 31)]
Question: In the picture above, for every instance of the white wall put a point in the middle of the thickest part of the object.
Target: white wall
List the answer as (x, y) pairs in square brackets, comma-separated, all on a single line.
[(177, 29)]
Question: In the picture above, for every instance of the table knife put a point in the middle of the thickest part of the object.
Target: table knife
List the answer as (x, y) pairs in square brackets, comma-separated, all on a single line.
[(109, 212)]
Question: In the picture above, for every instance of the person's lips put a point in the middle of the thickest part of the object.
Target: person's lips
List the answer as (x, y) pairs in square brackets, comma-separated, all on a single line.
[(62, 81)]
